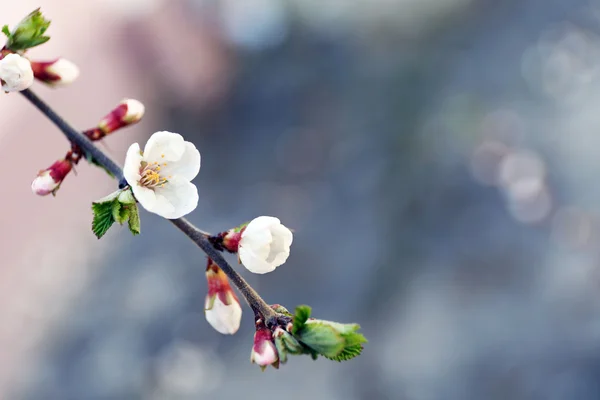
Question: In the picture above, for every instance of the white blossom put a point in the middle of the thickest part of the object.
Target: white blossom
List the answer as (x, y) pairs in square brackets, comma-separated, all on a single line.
[(160, 175), (225, 318), (15, 73), (264, 244)]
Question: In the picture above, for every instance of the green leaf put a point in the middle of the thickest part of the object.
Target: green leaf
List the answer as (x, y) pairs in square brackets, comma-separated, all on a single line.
[(281, 309), (134, 219), (120, 212), (321, 338), (333, 340), (348, 353), (6, 31), (302, 315), (103, 218), (120, 207), (28, 33)]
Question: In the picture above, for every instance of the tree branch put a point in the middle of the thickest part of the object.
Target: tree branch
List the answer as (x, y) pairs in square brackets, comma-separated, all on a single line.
[(196, 235)]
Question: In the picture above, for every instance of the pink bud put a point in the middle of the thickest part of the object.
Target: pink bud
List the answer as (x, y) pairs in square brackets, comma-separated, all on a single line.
[(128, 112), (49, 180), (222, 308), (264, 352), (59, 72)]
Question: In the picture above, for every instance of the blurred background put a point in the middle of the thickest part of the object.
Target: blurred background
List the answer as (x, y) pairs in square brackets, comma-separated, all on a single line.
[(438, 160)]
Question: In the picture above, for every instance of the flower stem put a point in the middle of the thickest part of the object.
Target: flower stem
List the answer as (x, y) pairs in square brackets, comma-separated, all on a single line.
[(196, 235), (201, 239)]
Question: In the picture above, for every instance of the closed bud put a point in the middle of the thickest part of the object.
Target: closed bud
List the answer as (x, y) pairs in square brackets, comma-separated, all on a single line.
[(15, 73), (264, 352), (262, 245), (128, 112), (222, 307), (59, 72), (49, 180)]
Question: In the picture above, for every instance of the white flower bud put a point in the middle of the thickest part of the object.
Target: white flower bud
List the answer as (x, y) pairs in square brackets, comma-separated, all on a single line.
[(264, 352), (264, 245), (225, 318), (60, 72), (135, 111), (44, 184), (15, 73)]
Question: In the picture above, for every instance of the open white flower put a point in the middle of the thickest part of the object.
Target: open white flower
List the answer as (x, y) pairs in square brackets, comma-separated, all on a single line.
[(160, 175), (15, 73), (264, 245)]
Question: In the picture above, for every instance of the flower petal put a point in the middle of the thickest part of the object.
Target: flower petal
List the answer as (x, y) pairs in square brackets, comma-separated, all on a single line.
[(254, 264), (164, 146), (133, 161), (224, 318), (176, 199), (188, 166), (260, 223), (145, 196)]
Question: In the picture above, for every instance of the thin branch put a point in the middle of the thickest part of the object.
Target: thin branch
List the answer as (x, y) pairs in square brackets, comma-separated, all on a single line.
[(201, 239), (76, 137), (196, 235)]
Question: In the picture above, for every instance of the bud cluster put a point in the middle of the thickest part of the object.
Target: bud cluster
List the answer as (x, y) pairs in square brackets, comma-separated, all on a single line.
[(127, 112)]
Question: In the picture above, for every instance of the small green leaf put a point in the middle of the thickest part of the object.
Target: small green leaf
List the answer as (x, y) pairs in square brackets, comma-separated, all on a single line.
[(322, 338), (281, 349), (134, 219), (281, 309), (302, 315), (333, 340), (120, 207), (103, 218), (348, 353), (120, 212), (6, 31), (28, 33)]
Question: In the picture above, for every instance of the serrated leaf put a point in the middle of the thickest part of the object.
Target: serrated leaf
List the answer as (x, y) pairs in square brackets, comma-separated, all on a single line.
[(347, 353), (354, 338), (302, 314), (120, 207), (103, 218)]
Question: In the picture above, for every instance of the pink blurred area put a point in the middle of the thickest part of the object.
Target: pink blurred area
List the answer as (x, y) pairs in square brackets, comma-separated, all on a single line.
[(39, 274)]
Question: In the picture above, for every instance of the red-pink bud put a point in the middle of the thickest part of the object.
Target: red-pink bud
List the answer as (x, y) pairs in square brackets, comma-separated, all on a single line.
[(128, 112), (49, 180), (264, 352), (59, 72)]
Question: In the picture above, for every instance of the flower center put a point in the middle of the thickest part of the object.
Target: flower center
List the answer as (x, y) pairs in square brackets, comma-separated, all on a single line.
[(150, 175)]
